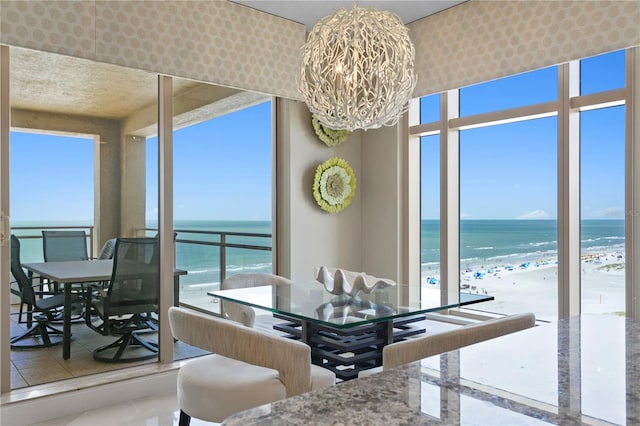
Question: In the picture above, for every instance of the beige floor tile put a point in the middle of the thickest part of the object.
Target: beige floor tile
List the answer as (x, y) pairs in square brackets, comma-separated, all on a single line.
[(17, 381), (45, 374)]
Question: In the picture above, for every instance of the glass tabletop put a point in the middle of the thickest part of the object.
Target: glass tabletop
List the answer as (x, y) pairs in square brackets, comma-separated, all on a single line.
[(310, 301)]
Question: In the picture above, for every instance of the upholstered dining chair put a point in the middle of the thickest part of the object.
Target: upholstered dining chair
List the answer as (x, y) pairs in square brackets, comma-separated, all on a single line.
[(248, 368), (414, 349), (241, 313)]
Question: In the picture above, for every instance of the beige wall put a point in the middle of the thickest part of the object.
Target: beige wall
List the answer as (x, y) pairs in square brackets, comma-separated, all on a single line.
[(310, 237)]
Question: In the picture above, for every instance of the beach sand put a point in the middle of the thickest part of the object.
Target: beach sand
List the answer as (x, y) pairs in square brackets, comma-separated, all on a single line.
[(534, 288)]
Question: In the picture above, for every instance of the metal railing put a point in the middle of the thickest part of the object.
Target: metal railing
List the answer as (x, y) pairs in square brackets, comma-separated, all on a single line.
[(222, 242)]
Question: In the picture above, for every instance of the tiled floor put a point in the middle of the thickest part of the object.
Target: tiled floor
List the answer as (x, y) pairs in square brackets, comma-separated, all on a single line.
[(157, 411), (38, 366)]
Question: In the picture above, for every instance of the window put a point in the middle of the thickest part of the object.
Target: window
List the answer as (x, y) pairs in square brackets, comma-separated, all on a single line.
[(508, 227), (430, 210), (519, 90), (602, 210), (509, 175)]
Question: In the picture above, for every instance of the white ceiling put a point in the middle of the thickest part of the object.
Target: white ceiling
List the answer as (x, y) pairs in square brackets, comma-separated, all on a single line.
[(308, 12)]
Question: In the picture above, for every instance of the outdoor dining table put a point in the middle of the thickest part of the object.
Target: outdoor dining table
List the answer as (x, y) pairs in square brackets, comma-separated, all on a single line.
[(578, 370), (77, 272)]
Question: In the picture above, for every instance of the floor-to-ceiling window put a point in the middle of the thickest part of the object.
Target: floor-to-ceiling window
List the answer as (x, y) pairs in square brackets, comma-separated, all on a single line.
[(602, 184), (222, 186), (430, 195), (509, 178)]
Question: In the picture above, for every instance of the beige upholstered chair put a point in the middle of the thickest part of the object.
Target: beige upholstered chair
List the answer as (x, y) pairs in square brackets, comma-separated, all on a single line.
[(241, 313), (418, 348), (248, 368)]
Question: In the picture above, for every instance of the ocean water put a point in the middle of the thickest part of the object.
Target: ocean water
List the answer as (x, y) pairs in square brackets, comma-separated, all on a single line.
[(200, 260), (482, 242), (505, 241)]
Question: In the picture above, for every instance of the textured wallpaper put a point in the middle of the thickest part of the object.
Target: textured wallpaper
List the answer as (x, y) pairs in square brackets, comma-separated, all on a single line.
[(484, 40), (229, 44), (213, 41)]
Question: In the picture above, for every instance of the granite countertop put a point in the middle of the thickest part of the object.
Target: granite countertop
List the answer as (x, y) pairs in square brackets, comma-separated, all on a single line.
[(579, 370)]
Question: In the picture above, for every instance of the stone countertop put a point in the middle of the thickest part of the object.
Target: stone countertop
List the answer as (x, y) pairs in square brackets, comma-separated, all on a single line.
[(579, 370)]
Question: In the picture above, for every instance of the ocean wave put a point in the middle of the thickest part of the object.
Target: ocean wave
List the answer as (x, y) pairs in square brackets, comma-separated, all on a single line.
[(542, 243), (484, 248)]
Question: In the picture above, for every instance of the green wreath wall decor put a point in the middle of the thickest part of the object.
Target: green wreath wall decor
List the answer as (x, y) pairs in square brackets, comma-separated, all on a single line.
[(334, 185), (329, 136)]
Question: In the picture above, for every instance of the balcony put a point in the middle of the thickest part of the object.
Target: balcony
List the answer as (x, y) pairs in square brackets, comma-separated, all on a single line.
[(207, 255)]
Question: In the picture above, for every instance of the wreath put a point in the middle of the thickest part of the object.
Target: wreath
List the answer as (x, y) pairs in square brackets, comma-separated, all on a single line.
[(329, 136), (334, 185)]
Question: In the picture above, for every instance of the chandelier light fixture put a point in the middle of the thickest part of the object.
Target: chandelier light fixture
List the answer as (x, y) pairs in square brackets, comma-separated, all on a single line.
[(357, 69)]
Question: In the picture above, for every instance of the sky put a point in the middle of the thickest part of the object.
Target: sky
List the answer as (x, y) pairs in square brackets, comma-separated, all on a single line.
[(509, 171), (222, 168)]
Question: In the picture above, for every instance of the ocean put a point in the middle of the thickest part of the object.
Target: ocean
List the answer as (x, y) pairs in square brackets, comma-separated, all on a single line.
[(201, 260), (491, 242), (504, 241)]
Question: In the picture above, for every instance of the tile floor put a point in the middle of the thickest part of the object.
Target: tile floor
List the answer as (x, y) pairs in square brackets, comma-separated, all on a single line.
[(32, 367), (157, 411)]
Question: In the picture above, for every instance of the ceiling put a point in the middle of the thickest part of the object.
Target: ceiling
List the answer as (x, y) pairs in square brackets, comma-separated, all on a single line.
[(308, 12)]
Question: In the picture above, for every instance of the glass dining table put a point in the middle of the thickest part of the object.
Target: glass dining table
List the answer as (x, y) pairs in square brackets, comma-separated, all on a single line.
[(346, 333)]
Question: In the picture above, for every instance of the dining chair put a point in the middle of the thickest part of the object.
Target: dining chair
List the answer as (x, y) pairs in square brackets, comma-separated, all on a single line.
[(241, 313), (414, 349), (248, 368), (43, 307), (127, 305)]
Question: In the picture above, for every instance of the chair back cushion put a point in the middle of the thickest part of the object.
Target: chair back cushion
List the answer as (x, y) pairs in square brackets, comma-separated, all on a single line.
[(291, 358), (411, 350), (60, 246), (242, 313)]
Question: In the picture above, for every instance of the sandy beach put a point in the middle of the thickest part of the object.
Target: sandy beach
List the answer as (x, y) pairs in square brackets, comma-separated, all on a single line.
[(525, 285)]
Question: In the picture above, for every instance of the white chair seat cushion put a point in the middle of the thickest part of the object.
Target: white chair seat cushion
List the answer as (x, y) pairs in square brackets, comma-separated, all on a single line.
[(213, 387), (321, 377)]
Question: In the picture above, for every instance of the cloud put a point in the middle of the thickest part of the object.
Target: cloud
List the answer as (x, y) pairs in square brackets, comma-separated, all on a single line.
[(536, 214), (465, 216), (609, 212)]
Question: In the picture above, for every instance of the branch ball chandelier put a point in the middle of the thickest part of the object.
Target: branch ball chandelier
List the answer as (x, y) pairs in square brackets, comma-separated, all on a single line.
[(357, 69)]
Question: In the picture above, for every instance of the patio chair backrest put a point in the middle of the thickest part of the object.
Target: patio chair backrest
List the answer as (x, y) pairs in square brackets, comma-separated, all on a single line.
[(135, 279), (60, 246), (27, 293)]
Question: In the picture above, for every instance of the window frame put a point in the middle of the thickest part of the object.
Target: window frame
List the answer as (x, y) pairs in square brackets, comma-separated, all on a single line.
[(567, 108)]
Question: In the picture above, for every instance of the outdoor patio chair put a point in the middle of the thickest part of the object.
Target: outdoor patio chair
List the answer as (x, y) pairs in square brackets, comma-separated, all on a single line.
[(126, 307), (42, 308)]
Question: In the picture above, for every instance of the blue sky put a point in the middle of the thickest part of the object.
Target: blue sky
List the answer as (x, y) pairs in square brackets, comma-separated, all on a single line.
[(509, 171), (223, 167)]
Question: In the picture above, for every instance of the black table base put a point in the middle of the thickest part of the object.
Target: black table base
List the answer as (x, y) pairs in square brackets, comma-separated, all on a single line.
[(348, 351)]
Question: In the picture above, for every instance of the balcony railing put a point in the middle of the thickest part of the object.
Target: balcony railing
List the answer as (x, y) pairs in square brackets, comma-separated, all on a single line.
[(207, 256)]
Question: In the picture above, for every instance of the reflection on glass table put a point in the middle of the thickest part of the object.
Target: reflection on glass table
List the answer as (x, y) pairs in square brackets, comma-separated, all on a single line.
[(346, 333), (579, 370)]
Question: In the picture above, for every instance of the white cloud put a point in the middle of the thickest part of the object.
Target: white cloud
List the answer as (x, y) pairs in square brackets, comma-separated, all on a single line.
[(536, 214)]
